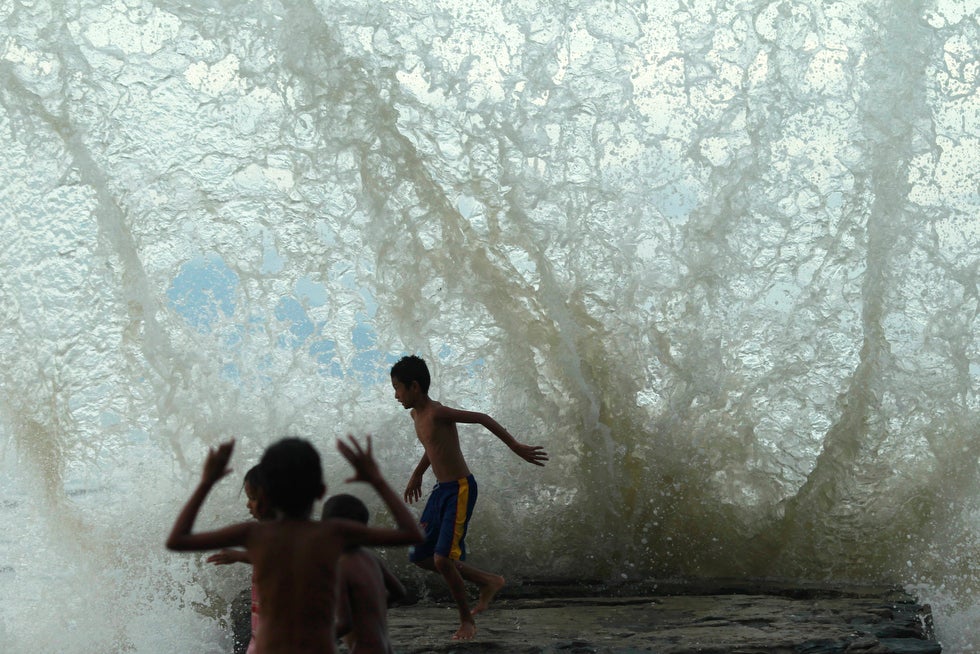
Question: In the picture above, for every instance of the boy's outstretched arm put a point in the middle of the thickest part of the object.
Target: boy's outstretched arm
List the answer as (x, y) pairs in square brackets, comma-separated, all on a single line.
[(366, 469), (531, 453), (181, 538)]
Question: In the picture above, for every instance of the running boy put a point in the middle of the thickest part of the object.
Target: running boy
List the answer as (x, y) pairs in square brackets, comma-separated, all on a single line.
[(294, 559), (367, 586), (448, 509)]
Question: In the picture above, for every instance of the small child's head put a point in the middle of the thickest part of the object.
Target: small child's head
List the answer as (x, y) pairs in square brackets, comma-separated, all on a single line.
[(407, 371), (345, 506), (293, 477), (255, 491)]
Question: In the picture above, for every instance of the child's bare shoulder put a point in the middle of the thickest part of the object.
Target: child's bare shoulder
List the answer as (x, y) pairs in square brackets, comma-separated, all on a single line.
[(440, 411), (430, 408), (291, 530)]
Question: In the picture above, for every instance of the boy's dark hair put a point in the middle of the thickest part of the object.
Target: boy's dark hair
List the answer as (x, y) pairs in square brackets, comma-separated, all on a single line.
[(345, 506), (293, 476), (412, 369)]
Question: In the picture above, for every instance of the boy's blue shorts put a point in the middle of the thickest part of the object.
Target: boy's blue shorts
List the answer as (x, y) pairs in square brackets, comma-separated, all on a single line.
[(444, 520)]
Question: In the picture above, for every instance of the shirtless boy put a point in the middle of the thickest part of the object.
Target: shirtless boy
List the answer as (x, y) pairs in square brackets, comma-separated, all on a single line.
[(448, 509), (294, 559), (367, 586)]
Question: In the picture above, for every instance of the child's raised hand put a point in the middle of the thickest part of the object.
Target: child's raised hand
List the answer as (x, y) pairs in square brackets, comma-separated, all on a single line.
[(216, 465), (365, 467)]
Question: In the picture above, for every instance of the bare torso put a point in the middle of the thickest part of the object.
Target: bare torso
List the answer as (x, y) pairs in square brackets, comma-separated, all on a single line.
[(440, 439), (295, 567)]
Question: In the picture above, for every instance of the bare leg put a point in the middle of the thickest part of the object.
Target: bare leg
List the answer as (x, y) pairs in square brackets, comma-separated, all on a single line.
[(488, 582), (446, 567)]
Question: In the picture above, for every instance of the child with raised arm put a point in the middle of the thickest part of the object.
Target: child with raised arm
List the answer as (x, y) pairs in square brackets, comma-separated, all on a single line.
[(367, 586), (294, 559), (450, 505)]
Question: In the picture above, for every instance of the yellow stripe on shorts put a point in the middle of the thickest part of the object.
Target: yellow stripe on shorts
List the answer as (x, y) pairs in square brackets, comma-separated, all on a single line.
[(462, 499)]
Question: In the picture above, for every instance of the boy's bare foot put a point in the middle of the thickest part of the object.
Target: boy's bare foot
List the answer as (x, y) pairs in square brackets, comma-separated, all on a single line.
[(487, 593), (466, 631)]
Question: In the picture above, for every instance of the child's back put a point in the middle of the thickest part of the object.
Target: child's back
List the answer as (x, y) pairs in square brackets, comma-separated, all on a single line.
[(366, 586), (295, 566)]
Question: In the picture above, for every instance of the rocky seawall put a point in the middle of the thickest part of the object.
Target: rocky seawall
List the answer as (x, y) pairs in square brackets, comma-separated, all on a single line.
[(677, 617)]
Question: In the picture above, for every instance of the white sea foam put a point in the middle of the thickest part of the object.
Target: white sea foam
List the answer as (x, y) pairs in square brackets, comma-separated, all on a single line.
[(720, 258)]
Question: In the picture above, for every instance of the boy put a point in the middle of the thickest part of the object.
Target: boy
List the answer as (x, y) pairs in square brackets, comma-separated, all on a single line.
[(294, 559), (448, 509), (367, 587)]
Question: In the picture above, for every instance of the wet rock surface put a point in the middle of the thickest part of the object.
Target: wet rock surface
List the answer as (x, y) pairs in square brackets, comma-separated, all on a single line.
[(718, 616), (675, 618)]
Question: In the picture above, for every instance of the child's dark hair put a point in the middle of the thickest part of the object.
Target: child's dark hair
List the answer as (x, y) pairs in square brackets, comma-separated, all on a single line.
[(293, 476), (412, 369), (254, 478), (345, 506)]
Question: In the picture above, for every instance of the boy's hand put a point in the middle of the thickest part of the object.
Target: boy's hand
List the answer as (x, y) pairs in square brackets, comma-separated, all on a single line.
[(216, 465), (365, 467), (413, 491), (224, 557), (531, 453)]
